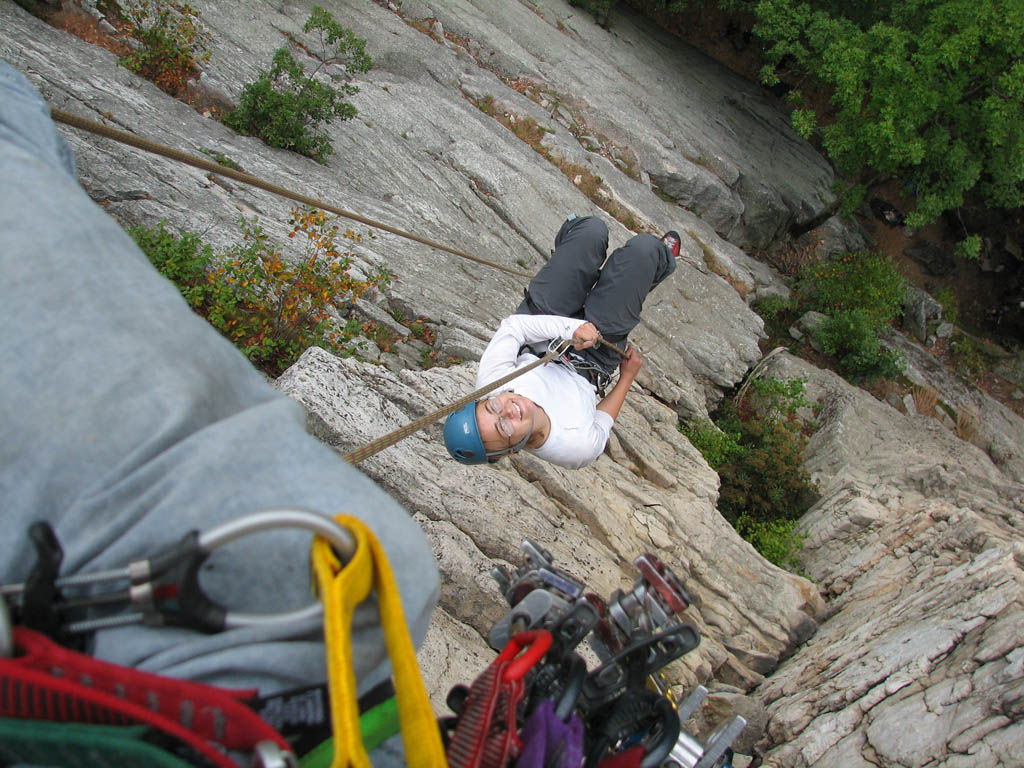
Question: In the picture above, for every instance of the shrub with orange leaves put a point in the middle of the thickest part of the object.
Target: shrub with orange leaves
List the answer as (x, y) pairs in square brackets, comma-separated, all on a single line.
[(171, 41), (269, 308), (862, 280)]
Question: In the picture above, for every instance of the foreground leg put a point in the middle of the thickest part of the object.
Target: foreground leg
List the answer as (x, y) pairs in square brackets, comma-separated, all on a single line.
[(128, 421)]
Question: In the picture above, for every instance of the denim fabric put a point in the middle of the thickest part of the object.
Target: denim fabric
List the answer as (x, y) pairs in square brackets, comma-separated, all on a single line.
[(126, 421)]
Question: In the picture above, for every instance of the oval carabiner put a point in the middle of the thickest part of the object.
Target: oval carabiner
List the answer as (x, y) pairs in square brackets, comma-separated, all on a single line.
[(6, 631), (533, 644), (194, 600)]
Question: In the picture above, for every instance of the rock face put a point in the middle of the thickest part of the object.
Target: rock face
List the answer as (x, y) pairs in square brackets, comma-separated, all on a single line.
[(916, 541), (652, 491)]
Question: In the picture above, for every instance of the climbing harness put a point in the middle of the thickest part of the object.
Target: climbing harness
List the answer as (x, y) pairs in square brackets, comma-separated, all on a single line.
[(588, 369), (43, 681), (40, 680), (536, 706)]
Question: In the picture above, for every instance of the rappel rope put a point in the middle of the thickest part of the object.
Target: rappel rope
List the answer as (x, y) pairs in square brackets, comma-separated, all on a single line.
[(206, 165), (378, 445)]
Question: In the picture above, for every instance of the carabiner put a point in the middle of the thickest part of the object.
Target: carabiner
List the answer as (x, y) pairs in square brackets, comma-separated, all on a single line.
[(165, 589), (184, 559), (534, 644), (559, 346), (6, 631)]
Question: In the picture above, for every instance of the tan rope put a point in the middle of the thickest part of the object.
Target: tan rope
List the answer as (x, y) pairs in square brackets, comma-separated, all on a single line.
[(206, 165)]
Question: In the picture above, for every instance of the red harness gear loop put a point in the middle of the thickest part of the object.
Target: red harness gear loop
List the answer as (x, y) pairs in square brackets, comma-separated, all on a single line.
[(49, 682)]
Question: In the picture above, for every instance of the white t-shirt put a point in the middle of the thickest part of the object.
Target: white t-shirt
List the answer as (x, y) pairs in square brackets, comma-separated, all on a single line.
[(579, 431)]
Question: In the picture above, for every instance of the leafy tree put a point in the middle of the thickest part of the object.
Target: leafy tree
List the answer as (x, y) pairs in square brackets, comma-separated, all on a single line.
[(929, 91), (286, 108)]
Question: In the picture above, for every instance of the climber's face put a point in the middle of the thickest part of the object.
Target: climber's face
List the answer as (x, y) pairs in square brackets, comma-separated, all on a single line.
[(505, 420)]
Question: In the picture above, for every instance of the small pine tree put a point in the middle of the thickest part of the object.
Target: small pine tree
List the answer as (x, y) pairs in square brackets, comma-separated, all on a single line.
[(287, 108)]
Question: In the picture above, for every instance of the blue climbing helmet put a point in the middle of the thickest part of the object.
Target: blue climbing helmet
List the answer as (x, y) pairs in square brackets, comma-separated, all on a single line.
[(463, 441)]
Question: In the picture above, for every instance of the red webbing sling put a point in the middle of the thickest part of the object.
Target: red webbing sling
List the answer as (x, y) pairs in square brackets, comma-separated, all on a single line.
[(47, 682), (487, 733)]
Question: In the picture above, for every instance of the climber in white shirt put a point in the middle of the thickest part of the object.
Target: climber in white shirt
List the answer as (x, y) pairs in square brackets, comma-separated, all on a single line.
[(553, 411)]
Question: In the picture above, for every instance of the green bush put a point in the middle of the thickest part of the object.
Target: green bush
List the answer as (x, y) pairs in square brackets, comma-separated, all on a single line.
[(778, 541), (973, 358), (766, 480), (272, 311), (172, 41), (946, 296), (863, 280), (778, 397), (717, 447), (598, 8), (851, 337), (287, 108), (756, 448), (772, 307)]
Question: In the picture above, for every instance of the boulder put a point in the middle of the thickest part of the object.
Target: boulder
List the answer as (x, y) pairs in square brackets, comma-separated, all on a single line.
[(919, 309)]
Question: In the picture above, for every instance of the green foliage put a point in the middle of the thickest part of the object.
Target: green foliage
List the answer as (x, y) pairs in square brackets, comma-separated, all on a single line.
[(778, 397), (969, 247), (756, 447), (183, 260), (598, 8), (717, 447), (778, 541), (772, 307), (287, 108), (850, 199), (865, 281), (973, 357), (766, 480), (220, 159), (929, 91), (946, 296), (32, 6), (851, 336), (173, 41), (270, 310)]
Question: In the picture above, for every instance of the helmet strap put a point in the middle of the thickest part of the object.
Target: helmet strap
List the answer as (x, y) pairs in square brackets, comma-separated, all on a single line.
[(495, 455)]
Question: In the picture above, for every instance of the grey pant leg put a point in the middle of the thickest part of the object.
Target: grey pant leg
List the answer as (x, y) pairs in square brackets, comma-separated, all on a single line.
[(615, 302), (126, 421), (561, 286)]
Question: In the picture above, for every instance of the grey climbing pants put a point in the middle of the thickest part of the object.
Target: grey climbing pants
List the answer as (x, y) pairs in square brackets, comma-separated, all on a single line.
[(578, 282)]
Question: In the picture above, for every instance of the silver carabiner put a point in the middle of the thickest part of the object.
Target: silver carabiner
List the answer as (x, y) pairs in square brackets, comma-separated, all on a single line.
[(6, 631), (339, 538), (559, 346), (184, 559)]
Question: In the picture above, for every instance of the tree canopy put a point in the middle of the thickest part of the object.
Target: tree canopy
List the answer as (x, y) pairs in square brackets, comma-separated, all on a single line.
[(932, 93)]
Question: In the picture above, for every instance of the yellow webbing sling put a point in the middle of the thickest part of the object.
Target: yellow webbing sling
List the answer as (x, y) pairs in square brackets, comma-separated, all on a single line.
[(341, 590)]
